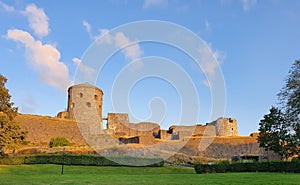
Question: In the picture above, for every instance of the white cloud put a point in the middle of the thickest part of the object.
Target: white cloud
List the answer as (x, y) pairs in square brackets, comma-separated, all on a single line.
[(155, 3), (38, 20), (104, 33), (83, 67), (45, 59), (210, 63), (207, 61), (88, 28), (247, 4), (132, 51), (7, 7), (106, 37), (89, 73), (77, 61)]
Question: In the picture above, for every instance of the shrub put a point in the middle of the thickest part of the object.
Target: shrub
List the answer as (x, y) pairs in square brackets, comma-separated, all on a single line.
[(59, 141), (87, 160), (17, 160), (272, 166), (295, 159)]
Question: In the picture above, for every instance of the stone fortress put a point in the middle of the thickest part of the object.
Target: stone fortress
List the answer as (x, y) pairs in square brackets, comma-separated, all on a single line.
[(84, 126), (85, 105)]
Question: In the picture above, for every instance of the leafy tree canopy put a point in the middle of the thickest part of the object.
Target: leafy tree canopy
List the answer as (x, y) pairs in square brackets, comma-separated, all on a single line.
[(274, 133), (11, 135), (280, 129), (6, 106), (289, 97)]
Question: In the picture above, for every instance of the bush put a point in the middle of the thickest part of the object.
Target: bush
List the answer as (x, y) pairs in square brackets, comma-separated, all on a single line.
[(87, 160), (295, 159), (59, 141), (17, 160), (272, 166)]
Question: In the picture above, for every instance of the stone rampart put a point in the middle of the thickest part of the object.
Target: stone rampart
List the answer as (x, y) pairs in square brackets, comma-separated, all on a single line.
[(41, 129)]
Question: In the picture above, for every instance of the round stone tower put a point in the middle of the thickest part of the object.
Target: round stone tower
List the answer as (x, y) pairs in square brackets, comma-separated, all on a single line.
[(226, 127), (85, 103)]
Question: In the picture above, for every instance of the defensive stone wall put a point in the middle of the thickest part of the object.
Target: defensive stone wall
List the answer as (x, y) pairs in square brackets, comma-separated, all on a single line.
[(118, 125), (41, 129), (242, 145), (225, 147), (189, 131), (164, 134)]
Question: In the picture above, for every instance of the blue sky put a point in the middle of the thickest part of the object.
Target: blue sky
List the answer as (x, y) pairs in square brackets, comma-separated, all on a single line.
[(255, 42)]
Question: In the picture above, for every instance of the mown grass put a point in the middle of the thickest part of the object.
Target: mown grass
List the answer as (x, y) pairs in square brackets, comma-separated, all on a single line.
[(51, 174)]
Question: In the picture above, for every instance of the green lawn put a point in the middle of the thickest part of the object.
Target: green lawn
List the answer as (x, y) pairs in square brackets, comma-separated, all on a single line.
[(51, 174)]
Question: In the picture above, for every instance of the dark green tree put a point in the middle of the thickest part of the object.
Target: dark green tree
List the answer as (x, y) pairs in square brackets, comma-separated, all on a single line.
[(289, 98), (274, 133), (280, 129), (11, 135)]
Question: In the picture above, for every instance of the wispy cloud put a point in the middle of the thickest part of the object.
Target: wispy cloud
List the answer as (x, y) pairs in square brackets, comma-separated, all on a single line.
[(77, 61), (155, 3), (106, 37), (247, 4), (7, 7), (44, 58), (130, 49), (38, 20), (88, 28), (210, 60), (83, 69)]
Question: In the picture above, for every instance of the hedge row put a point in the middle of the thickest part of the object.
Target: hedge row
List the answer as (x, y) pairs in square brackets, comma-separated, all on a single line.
[(88, 160), (273, 166)]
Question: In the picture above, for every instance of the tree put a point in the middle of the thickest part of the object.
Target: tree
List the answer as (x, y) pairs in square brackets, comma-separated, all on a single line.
[(11, 135), (280, 129), (6, 106), (274, 133), (289, 98)]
